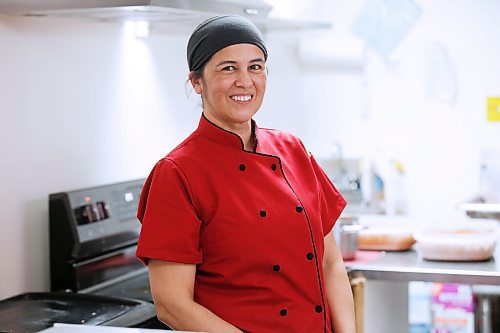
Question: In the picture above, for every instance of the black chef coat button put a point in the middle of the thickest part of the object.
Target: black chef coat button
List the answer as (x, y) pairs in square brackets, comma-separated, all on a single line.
[(318, 308), (283, 312), (310, 256), (276, 268), (242, 167), (263, 213), (299, 209), (273, 166)]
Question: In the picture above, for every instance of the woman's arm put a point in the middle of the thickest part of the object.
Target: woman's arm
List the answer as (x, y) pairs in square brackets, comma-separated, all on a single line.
[(338, 288), (172, 286)]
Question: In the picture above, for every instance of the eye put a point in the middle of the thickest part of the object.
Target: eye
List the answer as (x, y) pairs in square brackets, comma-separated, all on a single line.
[(229, 68), (256, 67)]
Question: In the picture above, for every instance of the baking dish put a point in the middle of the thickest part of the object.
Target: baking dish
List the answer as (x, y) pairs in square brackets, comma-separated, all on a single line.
[(385, 239)]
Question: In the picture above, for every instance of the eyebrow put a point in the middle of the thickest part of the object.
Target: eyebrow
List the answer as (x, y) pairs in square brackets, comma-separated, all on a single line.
[(232, 62)]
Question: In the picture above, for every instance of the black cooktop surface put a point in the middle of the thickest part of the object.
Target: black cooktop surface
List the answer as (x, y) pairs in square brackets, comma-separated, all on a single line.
[(32, 312)]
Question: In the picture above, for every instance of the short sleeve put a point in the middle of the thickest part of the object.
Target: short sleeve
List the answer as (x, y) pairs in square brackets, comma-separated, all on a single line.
[(170, 227), (331, 201)]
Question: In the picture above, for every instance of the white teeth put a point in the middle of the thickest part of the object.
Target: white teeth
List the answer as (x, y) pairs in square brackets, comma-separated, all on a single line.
[(242, 98)]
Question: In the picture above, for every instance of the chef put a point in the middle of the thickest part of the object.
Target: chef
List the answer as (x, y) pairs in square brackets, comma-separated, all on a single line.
[(237, 219)]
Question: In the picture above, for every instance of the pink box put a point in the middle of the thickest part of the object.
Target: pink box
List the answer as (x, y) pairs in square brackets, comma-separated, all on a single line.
[(452, 308)]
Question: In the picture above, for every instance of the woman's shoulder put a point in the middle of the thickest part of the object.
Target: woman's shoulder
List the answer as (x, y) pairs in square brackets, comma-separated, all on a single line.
[(187, 144), (281, 138), (278, 135), (281, 143), (174, 160)]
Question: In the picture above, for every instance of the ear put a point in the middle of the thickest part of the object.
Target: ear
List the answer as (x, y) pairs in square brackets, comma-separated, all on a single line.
[(195, 82)]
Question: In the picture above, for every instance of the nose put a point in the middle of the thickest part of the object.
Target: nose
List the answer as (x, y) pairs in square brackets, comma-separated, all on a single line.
[(244, 79)]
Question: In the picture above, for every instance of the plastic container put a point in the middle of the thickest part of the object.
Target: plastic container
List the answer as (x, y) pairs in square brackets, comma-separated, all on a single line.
[(473, 240)]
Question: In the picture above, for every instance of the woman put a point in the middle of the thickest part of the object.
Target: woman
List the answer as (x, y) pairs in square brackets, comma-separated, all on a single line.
[(237, 220)]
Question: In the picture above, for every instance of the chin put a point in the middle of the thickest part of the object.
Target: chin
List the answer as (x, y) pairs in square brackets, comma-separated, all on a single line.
[(248, 110), (245, 116)]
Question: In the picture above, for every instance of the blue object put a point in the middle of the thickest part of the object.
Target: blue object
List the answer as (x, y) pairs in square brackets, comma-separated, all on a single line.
[(382, 24)]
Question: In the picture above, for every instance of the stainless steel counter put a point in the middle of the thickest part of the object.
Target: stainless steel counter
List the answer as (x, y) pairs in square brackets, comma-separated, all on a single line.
[(408, 266)]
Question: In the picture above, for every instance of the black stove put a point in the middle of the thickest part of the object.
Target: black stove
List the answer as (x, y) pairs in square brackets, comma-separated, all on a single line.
[(93, 238), (95, 277)]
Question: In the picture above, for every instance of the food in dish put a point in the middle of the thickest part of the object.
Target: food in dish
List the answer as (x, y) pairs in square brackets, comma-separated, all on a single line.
[(474, 241), (385, 239)]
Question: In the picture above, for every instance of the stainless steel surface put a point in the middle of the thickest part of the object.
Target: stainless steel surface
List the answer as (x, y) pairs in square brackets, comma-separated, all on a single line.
[(346, 235), (408, 266), (487, 312), (346, 175), (482, 210), (256, 8), (484, 317), (168, 15), (348, 244)]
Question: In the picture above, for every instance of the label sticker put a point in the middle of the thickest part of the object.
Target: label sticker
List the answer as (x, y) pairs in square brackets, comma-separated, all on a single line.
[(493, 108)]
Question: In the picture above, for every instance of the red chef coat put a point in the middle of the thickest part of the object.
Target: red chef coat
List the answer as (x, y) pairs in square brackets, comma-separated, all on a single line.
[(253, 223)]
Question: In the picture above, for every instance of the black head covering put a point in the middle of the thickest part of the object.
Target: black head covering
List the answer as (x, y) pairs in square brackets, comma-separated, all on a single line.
[(217, 33)]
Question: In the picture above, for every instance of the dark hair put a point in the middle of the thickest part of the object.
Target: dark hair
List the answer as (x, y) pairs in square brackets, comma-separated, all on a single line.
[(217, 33), (199, 72)]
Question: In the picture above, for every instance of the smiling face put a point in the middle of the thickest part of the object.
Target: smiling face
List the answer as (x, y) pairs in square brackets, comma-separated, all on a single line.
[(232, 85)]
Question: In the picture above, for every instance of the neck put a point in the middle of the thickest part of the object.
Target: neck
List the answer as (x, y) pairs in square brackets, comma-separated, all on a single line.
[(243, 130), (248, 141), (245, 134)]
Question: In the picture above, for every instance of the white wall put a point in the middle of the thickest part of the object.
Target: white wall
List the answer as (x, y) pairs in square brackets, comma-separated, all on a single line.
[(404, 107), (82, 105)]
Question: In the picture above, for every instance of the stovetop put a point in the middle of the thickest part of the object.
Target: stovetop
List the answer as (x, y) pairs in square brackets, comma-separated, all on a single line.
[(32, 312)]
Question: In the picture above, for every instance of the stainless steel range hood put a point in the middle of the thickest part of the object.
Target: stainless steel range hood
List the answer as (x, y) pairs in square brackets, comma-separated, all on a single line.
[(170, 12)]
